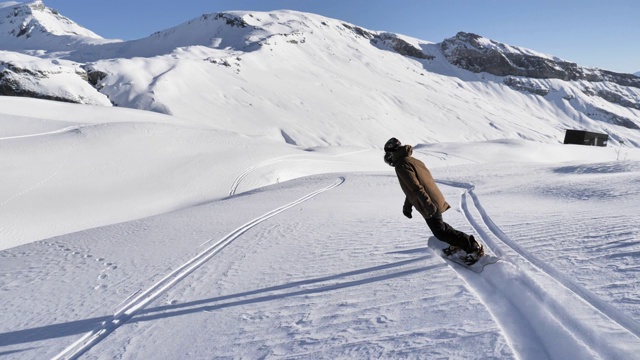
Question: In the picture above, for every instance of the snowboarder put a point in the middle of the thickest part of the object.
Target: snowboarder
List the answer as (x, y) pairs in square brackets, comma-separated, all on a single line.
[(422, 193)]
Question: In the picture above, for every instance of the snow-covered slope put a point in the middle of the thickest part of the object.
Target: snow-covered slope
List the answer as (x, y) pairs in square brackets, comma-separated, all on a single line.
[(250, 214), (295, 77), (32, 26), (225, 266)]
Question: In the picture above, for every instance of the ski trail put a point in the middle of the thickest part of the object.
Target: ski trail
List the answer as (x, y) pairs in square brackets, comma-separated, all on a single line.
[(540, 310), (144, 298), (445, 155), (249, 170), (588, 296), (75, 128), (530, 330)]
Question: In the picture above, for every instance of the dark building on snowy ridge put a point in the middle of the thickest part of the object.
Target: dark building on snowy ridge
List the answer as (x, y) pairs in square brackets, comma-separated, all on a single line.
[(585, 138)]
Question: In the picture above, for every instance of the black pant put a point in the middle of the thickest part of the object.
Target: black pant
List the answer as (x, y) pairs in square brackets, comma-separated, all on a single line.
[(445, 232)]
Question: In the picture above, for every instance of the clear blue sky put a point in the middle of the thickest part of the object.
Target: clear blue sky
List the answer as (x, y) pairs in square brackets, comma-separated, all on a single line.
[(593, 33)]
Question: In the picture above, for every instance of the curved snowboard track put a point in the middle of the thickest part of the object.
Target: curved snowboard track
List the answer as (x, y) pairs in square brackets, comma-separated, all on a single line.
[(543, 313), (305, 158), (140, 299)]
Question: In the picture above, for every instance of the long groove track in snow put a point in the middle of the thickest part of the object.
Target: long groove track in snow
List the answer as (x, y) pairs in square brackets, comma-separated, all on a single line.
[(247, 171), (534, 331), (591, 298), (144, 298)]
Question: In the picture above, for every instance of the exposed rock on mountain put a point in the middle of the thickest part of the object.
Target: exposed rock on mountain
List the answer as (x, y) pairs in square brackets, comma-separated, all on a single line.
[(57, 80), (526, 84), (478, 54), (390, 40), (230, 19)]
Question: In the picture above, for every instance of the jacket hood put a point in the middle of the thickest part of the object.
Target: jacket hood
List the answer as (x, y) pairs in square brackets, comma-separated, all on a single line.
[(401, 153)]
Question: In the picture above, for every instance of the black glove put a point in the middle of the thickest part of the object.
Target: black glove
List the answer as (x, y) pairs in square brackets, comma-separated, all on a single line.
[(433, 210), (407, 211)]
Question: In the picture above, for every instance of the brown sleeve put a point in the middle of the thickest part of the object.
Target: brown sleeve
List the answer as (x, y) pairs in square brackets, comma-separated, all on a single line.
[(407, 175)]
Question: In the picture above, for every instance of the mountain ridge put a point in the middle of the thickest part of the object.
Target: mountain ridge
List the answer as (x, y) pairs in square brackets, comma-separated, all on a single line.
[(255, 70), (34, 26)]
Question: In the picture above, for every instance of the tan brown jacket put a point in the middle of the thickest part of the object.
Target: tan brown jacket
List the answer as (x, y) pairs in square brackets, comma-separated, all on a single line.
[(417, 183)]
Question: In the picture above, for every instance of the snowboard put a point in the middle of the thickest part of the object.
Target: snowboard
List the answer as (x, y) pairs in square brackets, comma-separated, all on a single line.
[(477, 267)]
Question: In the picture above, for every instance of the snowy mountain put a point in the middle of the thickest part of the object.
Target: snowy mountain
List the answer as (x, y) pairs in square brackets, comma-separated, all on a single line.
[(34, 27), (250, 215), (258, 64)]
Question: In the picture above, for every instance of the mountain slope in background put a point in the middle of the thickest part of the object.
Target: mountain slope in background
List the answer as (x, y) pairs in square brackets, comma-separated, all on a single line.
[(32, 26), (253, 72)]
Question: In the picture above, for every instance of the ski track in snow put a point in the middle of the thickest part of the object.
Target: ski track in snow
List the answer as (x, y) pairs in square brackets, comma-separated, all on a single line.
[(551, 324), (247, 171), (75, 128), (140, 299)]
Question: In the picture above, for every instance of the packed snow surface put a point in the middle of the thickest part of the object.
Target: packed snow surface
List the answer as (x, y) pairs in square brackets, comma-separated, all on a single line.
[(130, 234)]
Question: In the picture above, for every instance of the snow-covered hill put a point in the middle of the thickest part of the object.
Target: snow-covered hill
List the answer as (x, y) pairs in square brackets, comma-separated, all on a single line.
[(171, 244), (294, 77), (250, 214), (33, 27)]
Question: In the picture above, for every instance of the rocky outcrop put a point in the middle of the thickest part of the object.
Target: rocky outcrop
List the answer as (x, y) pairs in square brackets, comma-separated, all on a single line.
[(477, 54), (402, 47), (390, 40), (25, 81), (94, 77), (525, 84), (230, 19), (617, 98), (618, 120), (12, 87)]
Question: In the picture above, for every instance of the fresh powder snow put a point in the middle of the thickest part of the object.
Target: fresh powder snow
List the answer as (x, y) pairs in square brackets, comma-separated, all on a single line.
[(149, 238)]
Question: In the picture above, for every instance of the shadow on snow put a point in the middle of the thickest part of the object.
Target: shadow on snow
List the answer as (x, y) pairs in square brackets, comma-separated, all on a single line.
[(250, 297)]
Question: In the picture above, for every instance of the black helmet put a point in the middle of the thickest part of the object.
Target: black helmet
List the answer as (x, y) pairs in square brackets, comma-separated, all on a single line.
[(392, 145)]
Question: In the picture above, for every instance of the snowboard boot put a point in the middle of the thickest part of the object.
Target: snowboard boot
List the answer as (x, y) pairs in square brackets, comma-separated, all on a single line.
[(475, 252), (451, 250)]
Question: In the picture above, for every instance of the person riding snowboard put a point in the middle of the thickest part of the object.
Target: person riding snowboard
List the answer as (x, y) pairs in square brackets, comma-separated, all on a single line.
[(422, 193)]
